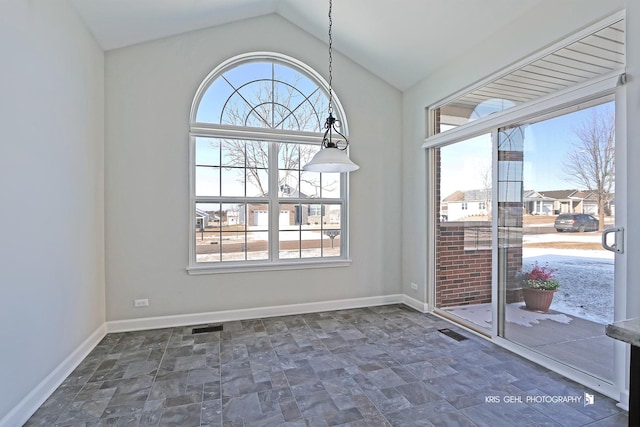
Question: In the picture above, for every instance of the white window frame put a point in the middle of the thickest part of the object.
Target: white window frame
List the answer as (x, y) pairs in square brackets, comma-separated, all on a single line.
[(273, 137)]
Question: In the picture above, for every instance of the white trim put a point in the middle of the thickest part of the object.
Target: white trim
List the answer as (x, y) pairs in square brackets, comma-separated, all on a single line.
[(415, 304), (573, 95), (36, 397), (624, 400), (211, 268), (249, 313)]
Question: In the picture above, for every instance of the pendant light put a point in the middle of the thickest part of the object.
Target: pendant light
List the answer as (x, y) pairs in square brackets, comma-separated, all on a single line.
[(332, 157)]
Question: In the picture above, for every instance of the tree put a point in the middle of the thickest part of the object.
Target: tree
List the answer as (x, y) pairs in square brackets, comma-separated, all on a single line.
[(591, 164), (276, 106)]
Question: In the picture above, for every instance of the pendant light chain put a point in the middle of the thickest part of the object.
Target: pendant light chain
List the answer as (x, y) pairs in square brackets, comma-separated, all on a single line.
[(330, 59), (331, 158)]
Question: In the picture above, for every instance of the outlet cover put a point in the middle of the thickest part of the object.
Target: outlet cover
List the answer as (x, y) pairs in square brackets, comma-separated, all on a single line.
[(141, 303), (414, 286)]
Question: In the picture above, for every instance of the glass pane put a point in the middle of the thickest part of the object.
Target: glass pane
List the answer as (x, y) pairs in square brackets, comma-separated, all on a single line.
[(257, 154), (207, 151), (288, 184), (207, 232), (550, 234), (331, 242), (233, 153), (289, 244), (233, 245), (258, 245), (257, 182), (289, 156), (310, 184), (257, 217), (233, 182), (210, 107), (207, 181), (330, 185), (463, 230), (311, 243), (332, 216), (237, 76)]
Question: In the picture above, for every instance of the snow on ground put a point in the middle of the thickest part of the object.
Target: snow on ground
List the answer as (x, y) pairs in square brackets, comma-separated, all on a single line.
[(586, 279)]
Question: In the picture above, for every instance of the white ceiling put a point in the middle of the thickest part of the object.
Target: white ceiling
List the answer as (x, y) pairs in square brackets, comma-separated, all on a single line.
[(401, 41)]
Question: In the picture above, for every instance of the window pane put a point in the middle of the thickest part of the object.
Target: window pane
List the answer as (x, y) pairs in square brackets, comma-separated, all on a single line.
[(207, 232), (332, 216), (258, 245), (330, 185), (210, 107), (233, 153), (257, 154), (288, 184), (310, 184), (233, 182), (289, 244), (331, 242), (207, 181), (289, 156), (233, 245), (207, 152), (257, 182)]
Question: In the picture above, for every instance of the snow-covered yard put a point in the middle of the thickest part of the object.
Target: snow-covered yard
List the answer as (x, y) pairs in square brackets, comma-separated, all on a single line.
[(586, 279)]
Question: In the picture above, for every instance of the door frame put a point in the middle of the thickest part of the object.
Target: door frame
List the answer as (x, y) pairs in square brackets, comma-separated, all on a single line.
[(609, 84)]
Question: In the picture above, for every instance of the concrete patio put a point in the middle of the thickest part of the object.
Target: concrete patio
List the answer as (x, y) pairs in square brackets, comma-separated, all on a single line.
[(572, 340)]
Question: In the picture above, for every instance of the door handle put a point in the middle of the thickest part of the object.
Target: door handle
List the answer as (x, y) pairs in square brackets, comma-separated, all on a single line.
[(618, 244)]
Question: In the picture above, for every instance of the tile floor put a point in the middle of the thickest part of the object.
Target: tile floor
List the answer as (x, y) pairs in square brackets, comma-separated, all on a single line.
[(380, 366)]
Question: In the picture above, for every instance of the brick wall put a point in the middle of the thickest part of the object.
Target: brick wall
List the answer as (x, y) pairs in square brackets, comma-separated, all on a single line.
[(463, 276)]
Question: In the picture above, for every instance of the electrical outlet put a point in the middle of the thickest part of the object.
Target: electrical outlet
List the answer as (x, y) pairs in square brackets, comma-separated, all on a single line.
[(137, 303), (414, 286)]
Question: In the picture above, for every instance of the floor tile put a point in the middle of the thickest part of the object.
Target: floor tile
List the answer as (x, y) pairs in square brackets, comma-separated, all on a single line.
[(383, 366)]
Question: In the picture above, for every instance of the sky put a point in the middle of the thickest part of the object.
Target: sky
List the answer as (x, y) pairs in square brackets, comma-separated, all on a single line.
[(546, 147)]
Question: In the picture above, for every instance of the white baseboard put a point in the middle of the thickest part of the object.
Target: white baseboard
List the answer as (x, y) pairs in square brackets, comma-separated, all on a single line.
[(249, 313), (414, 303), (36, 397), (624, 400)]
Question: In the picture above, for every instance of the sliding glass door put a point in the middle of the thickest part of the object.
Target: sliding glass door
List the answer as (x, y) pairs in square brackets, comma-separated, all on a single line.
[(555, 197), (524, 206), (463, 231)]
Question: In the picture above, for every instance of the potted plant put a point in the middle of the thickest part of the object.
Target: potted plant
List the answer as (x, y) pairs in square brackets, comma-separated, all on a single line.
[(539, 287)]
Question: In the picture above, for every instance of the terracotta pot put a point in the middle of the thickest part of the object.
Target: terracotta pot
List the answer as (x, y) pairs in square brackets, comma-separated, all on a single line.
[(537, 299)]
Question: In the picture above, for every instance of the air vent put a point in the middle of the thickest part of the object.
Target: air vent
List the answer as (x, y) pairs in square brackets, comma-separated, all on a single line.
[(452, 334), (206, 329)]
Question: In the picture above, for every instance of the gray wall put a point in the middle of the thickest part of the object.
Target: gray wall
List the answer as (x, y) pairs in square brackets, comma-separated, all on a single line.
[(52, 283), (149, 90)]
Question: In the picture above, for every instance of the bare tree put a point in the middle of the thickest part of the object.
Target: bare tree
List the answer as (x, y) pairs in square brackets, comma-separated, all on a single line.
[(591, 164), (485, 176), (275, 107)]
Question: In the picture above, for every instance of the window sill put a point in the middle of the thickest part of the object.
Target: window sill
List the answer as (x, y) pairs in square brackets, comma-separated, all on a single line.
[(196, 270)]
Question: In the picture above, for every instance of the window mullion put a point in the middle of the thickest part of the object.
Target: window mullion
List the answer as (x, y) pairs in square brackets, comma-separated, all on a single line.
[(274, 206)]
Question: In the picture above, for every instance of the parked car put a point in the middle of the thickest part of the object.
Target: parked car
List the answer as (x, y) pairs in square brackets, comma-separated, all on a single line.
[(576, 222)]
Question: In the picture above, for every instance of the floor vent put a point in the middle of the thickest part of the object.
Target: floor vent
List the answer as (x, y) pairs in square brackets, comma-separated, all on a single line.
[(207, 329), (452, 334)]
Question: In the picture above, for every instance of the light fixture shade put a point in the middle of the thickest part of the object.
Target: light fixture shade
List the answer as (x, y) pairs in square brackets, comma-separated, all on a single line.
[(331, 159)]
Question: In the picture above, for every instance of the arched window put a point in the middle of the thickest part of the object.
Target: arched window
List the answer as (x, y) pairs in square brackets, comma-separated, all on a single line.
[(256, 120)]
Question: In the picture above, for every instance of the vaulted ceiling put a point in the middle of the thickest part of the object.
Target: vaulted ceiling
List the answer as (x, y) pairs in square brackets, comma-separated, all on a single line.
[(401, 41)]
